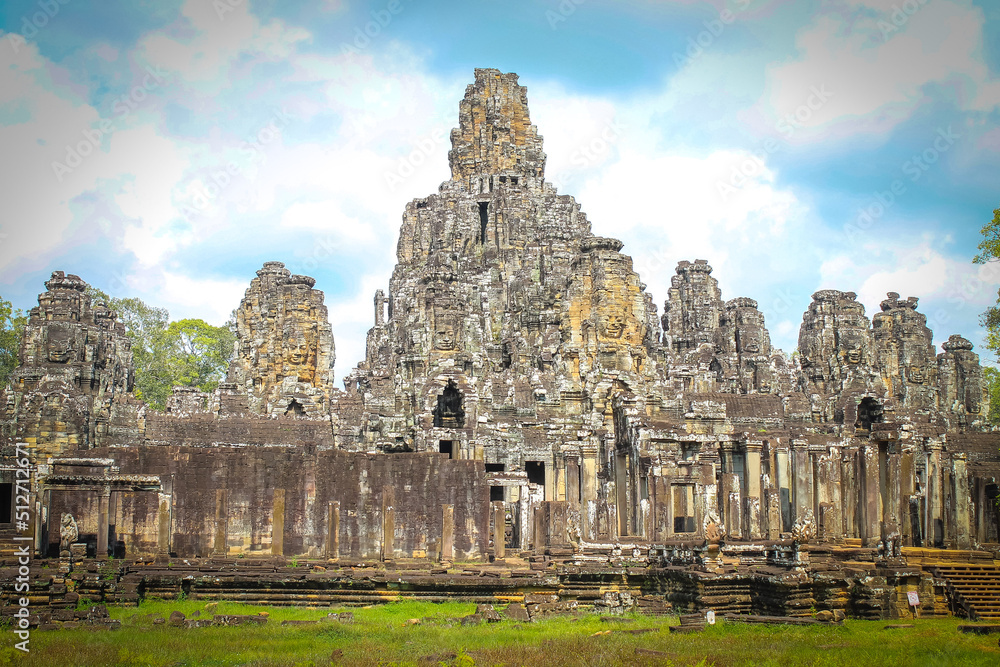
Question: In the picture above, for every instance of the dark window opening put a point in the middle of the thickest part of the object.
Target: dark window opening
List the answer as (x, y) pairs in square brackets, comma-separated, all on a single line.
[(484, 218), (535, 471), (506, 355), (447, 447), (513, 180), (449, 412), (494, 467), (496, 493), (683, 524), (295, 409), (6, 502), (869, 412)]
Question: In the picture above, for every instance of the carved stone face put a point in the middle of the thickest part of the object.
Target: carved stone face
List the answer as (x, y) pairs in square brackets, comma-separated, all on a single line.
[(749, 339), (852, 356), (60, 345), (444, 334), (297, 359), (614, 326), (916, 375)]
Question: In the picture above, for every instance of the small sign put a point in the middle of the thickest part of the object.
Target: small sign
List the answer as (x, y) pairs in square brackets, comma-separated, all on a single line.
[(710, 617), (913, 598)]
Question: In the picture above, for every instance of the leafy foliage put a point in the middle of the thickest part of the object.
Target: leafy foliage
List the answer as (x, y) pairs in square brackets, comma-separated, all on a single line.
[(12, 323), (989, 251), (197, 354), (165, 354)]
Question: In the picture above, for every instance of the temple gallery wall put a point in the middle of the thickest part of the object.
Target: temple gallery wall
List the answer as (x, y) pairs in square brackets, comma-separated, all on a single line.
[(521, 391)]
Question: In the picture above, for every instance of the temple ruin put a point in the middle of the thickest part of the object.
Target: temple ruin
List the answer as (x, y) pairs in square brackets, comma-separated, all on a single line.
[(522, 400)]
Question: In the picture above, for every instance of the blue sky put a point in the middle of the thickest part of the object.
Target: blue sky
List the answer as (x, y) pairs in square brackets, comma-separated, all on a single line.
[(165, 150)]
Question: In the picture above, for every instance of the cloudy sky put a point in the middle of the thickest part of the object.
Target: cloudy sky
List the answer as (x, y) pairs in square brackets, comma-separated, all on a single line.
[(166, 149)]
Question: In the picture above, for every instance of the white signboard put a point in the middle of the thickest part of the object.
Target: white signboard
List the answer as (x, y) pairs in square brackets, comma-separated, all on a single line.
[(710, 617), (913, 598)]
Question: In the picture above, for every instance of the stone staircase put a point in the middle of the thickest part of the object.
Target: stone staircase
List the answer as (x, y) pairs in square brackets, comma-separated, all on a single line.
[(974, 587)]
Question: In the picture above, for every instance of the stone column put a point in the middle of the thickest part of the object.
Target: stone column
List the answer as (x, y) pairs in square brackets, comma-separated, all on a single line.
[(753, 499), (221, 521), (278, 523), (848, 476), (893, 511), (163, 525), (447, 533), (772, 498), (102, 523), (934, 530), (333, 530), (499, 532), (872, 495), (907, 487), (388, 524), (539, 531), (961, 476), (731, 505), (802, 479)]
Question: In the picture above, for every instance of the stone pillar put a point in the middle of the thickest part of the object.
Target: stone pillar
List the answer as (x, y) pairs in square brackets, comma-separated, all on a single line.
[(163, 525), (379, 307), (892, 513), (733, 520), (772, 498), (447, 533), (588, 491), (278, 523), (907, 487), (828, 494), (934, 530), (872, 515), (802, 479), (752, 521), (961, 477), (538, 519), (573, 481), (112, 520), (221, 521), (849, 477), (388, 524), (499, 532), (333, 530), (102, 523)]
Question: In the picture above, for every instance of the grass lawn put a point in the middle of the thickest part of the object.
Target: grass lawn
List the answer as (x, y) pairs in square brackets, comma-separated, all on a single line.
[(384, 635)]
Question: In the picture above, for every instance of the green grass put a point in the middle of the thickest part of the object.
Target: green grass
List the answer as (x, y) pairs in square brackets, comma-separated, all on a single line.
[(382, 636)]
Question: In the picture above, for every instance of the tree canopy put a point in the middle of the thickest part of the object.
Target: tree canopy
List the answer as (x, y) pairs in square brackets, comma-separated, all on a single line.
[(989, 251), (165, 354), (12, 323)]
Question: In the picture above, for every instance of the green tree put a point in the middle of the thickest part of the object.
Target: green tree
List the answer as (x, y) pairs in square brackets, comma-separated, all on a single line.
[(989, 251), (146, 326), (12, 323), (165, 354), (198, 354)]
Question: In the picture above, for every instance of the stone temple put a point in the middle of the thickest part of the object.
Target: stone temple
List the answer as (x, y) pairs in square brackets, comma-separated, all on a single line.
[(523, 404)]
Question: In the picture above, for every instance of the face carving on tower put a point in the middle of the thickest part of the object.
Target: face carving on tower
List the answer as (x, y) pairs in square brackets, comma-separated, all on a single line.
[(445, 334), (60, 348), (297, 359), (614, 326), (916, 375)]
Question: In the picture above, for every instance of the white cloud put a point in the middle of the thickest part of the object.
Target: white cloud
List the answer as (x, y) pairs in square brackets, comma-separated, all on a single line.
[(951, 290), (877, 61)]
